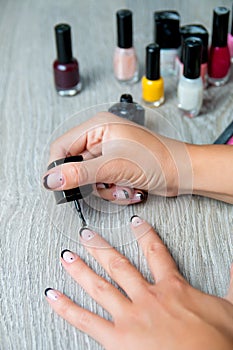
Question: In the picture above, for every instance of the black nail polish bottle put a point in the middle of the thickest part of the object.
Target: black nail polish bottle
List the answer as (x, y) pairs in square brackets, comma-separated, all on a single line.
[(129, 109)]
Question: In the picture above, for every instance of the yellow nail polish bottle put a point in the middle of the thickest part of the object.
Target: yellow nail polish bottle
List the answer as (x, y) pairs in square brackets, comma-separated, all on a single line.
[(152, 83)]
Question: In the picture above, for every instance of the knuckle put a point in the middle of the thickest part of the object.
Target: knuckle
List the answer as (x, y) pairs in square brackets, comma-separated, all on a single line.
[(101, 286), (176, 282), (84, 320), (118, 263), (156, 248)]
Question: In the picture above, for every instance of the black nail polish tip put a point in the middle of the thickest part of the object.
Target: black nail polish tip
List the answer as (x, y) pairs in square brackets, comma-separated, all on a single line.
[(46, 291), (81, 230), (45, 182), (106, 185), (64, 250), (134, 216)]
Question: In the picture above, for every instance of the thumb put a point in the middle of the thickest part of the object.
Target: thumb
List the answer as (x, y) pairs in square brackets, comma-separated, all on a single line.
[(229, 295), (104, 169)]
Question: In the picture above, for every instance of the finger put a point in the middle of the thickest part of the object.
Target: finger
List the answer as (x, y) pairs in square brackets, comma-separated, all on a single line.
[(104, 293), (117, 266), (70, 175), (158, 257), (80, 318), (229, 295), (86, 136), (118, 194)]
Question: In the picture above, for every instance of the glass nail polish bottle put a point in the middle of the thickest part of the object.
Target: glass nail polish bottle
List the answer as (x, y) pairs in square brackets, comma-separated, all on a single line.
[(219, 57), (65, 67), (129, 109), (199, 31), (190, 86), (152, 82), (230, 37), (167, 36), (125, 61)]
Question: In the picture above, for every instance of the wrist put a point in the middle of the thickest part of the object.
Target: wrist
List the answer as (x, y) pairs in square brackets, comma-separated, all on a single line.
[(212, 169)]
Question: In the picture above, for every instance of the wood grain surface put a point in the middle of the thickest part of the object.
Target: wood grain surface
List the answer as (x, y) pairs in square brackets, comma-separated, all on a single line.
[(198, 231)]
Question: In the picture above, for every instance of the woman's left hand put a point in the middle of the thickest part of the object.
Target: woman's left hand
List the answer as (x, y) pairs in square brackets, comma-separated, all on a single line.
[(169, 314)]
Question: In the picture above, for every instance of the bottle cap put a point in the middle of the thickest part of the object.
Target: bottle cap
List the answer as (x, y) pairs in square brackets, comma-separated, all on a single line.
[(220, 26), (167, 29), (192, 57), (74, 193), (63, 43), (198, 31), (126, 98), (153, 62), (124, 29)]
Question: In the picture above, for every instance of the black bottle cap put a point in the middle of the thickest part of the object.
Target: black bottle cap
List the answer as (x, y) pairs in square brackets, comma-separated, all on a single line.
[(167, 29), (192, 57), (124, 29), (126, 98), (63, 43), (198, 31), (74, 193), (220, 26), (153, 62)]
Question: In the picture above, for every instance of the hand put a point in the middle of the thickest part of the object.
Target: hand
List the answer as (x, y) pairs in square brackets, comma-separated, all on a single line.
[(122, 158), (169, 314)]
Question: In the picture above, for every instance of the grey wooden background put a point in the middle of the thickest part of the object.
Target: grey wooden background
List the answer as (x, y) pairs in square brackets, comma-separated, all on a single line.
[(198, 231)]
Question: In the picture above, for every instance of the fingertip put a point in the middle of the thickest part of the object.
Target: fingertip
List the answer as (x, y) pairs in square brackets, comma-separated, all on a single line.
[(136, 221)]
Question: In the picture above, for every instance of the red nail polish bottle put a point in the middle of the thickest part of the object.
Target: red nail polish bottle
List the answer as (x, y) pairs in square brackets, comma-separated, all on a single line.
[(65, 68), (219, 57)]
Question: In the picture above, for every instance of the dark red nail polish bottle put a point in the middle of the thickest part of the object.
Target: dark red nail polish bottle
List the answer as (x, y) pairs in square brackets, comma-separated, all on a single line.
[(65, 68), (219, 57)]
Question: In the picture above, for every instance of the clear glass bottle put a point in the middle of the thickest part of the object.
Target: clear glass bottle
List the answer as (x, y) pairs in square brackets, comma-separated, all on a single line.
[(129, 109)]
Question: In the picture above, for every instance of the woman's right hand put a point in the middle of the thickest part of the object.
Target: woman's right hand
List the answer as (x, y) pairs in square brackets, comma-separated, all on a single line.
[(121, 155)]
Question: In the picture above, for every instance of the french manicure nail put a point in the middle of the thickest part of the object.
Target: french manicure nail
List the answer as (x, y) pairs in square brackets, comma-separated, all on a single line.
[(138, 196), (136, 220), (101, 185), (52, 294), (53, 180), (68, 256), (86, 234), (121, 194)]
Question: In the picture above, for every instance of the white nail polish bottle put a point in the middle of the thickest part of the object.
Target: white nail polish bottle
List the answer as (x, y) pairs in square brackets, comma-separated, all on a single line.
[(190, 86)]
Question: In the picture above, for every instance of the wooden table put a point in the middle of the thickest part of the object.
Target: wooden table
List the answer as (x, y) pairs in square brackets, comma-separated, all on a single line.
[(198, 231)]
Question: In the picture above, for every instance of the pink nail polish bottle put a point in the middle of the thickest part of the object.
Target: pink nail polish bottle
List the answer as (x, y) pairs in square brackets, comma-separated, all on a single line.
[(125, 61), (65, 67), (219, 55), (230, 37)]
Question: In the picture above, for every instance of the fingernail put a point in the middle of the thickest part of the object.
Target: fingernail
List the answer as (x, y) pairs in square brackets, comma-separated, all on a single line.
[(121, 194), (86, 234), (136, 220), (101, 185), (68, 256), (138, 196), (52, 294), (52, 181)]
